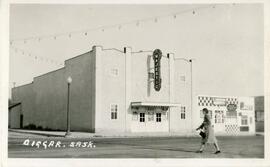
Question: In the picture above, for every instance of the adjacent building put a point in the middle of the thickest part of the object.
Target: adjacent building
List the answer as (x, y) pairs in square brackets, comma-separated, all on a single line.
[(259, 113), (230, 115)]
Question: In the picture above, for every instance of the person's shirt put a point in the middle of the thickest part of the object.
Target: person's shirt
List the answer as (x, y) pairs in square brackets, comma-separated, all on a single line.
[(206, 120)]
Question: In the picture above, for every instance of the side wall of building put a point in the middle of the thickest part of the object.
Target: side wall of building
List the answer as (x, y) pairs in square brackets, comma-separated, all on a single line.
[(44, 102), (82, 96), (50, 100), (14, 117), (26, 95), (259, 113)]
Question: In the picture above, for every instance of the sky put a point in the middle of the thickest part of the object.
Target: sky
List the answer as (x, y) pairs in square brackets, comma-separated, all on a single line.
[(226, 40)]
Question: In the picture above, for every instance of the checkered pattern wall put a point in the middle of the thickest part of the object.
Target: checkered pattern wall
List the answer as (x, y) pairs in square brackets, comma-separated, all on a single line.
[(209, 101), (232, 129), (231, 101), (205, 101)]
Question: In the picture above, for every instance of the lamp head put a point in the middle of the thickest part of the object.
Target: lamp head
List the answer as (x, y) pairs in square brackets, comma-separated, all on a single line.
[(69, 80)]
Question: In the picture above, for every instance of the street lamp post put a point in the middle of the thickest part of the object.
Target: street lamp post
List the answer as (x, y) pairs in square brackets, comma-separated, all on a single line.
[(191, 86), (69, 80), (191, 92)]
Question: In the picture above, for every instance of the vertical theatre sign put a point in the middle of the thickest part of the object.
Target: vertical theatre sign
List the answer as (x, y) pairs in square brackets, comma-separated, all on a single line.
[(157, 54)]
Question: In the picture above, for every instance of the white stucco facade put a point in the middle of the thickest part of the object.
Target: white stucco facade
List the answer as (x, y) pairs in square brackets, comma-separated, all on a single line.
[(124, 81)]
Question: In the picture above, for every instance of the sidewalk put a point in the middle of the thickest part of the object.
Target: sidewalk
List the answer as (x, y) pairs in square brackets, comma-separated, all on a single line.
[(112, 135), (103, 135)]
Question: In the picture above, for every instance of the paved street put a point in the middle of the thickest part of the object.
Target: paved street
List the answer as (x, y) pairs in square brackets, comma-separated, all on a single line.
[(131, 147)]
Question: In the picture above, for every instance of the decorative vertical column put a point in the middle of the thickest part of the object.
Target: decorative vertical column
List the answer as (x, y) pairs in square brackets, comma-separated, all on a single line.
[(98, 87), (171, 87), (171, 74), (128, 112)]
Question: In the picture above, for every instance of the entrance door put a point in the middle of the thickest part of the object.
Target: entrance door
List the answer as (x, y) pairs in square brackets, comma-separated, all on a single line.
[(21, 121), (149, 120)]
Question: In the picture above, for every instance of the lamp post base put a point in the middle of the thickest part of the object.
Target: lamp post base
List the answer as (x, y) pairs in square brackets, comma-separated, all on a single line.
[(68, 134)]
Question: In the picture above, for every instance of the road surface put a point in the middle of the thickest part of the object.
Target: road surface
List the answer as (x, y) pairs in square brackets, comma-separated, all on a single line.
[(142, 147)]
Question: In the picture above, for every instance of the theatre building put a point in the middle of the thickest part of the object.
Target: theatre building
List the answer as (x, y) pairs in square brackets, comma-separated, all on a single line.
[(111, 91)]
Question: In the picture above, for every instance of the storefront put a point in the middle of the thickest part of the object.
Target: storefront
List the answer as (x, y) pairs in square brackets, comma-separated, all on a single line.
[(151, 117), (229, 115)]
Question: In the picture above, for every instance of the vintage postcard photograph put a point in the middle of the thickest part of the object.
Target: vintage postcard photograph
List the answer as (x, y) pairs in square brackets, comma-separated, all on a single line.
[(136, 81)]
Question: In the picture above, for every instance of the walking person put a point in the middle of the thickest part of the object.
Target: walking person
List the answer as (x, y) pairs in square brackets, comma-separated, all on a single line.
[(209, 136)]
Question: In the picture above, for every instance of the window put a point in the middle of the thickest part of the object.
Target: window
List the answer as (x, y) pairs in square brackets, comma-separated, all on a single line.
[(183, 78), (242, 105), (142, 117), (151, 75), (114, 72), (244, 120), (183, 112), (219, 116), (151, 116), (244, 128), (114, 109), (259, 116), (158, 117), (250, 120)]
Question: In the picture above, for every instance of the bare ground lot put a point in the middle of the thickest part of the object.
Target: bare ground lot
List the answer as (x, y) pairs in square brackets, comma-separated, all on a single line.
[(132, 147)]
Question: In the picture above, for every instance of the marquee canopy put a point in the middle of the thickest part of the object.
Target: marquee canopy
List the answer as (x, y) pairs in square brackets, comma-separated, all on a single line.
[(154, 104)]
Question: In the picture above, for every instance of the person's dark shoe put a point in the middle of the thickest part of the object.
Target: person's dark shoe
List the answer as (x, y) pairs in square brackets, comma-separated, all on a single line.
[(217, 152), (199, 151)]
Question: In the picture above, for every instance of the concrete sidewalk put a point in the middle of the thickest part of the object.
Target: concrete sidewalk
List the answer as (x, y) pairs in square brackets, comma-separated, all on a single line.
[(96, 135), (112, 135)]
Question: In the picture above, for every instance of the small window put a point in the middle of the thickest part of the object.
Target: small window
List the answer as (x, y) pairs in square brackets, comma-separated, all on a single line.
[(183, 78), (114, 72), (114, 109), (259, 116), (142, 117), (158, 117), (183, 112), (244, 128), (244, 120), (250, 120), (151, 75), (242, 105), (219, 116)]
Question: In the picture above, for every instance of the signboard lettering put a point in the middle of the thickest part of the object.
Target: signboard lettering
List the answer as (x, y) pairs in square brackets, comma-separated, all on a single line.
[(157, 54)]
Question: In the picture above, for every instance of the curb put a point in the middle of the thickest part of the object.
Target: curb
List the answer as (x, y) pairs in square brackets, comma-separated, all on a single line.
[(36, 133), (101, 135)]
